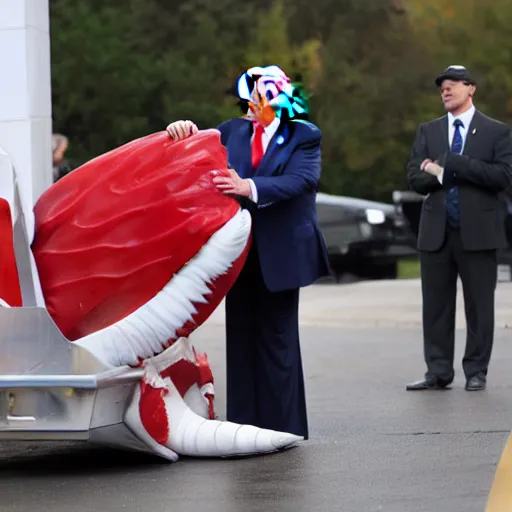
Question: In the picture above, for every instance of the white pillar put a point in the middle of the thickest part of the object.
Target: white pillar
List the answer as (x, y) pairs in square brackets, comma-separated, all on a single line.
[(25, 125), (25, 94)]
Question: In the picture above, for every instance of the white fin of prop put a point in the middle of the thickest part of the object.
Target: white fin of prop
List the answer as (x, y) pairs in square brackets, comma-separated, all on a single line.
[(194, 436), (147, 330)]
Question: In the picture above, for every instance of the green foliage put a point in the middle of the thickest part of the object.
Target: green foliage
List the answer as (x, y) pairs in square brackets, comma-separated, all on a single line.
[(474, 33), (102, 85), (364, 99), (121, 73), (409, 269), (125, 68)]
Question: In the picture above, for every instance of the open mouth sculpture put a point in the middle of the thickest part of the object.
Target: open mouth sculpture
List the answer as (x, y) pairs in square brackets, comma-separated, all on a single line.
[(134, 251)]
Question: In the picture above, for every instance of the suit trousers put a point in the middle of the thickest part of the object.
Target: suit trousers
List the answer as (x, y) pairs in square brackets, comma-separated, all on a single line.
[(439, 272), (265, 382)]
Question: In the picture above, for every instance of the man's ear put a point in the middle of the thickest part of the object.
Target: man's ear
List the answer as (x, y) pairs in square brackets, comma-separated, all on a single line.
[(472, 90)]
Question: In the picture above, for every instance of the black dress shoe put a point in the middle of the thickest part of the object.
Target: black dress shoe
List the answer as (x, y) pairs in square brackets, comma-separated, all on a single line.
[(476, 383), (428, 383)]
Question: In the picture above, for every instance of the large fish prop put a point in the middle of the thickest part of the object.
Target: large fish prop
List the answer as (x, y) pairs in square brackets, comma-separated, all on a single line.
[(134, 251)]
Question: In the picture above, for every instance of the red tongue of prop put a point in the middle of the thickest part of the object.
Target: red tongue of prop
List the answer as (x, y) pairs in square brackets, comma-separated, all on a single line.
[(110, 235)]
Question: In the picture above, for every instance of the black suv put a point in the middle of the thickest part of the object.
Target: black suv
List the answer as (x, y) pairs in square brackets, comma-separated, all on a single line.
[(364, 238)]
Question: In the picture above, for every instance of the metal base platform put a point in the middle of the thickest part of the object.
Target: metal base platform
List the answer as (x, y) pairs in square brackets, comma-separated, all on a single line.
[(51, 389)]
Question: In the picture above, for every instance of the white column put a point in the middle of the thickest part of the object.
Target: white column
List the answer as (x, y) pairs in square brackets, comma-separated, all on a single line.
[(25, 94), (25, 125)]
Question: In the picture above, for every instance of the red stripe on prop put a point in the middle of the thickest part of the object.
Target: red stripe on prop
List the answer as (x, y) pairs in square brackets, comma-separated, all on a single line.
[(153, 413), (10, 290)]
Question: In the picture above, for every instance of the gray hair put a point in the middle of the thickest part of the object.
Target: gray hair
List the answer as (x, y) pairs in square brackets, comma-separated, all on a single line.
[(58, 140)]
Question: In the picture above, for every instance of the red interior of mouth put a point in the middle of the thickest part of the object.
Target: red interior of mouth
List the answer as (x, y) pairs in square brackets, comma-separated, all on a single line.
[(111, 234)]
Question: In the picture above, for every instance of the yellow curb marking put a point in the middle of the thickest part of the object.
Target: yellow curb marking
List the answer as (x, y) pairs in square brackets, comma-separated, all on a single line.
[(500, 497)]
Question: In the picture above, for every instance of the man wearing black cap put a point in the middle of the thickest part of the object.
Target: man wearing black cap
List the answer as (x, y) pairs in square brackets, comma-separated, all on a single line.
[(462, 163)]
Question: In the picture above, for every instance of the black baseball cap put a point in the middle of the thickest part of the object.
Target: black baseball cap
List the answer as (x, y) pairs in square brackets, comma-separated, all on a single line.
[(456, 73)]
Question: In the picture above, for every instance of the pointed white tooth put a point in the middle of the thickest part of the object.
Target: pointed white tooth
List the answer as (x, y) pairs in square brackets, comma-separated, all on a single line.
[(132, 340), (151, 343), (194, 283), (184, 306), (155, 312)]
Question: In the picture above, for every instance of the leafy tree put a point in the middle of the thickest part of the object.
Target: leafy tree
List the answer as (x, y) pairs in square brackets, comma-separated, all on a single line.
[(474, 33), (364, 101), (124, 68), (103, 87)]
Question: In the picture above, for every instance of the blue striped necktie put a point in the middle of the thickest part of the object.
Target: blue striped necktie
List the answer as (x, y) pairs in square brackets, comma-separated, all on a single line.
[(452, 197)]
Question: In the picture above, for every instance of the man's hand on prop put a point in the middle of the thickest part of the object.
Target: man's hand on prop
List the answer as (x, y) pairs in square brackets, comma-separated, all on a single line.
[(232, 185), (181, 129)]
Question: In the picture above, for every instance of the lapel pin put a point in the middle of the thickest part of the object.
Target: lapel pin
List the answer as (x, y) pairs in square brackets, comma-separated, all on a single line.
[(474, 131), (280, 140)]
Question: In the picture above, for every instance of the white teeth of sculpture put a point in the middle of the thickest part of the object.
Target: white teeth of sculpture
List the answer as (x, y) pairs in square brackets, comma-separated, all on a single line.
[(148, 330), (177, 430)]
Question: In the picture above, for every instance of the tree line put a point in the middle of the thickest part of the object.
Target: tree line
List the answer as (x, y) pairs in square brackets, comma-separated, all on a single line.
[(124, 68)]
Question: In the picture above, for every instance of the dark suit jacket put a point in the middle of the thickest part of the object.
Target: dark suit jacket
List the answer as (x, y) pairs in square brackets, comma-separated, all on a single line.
[(290, 246), (482, 173)]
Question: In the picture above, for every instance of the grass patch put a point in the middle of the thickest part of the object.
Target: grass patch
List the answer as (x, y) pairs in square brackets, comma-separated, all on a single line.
[(409, 269)]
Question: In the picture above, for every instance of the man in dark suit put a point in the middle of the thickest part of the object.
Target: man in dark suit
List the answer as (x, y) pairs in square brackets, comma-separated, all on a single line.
[(462, 162), (278, 162)]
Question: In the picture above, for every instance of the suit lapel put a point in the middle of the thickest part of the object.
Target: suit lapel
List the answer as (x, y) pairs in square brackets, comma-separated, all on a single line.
[(472, 131), (275, 144), (444, 134), (240, 157)]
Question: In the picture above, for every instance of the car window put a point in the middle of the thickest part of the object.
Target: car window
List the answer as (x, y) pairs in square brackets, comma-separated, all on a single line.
[(330, 213)]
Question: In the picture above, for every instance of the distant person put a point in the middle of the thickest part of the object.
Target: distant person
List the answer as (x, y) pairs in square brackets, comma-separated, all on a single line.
[(61, 166), (462, 162)]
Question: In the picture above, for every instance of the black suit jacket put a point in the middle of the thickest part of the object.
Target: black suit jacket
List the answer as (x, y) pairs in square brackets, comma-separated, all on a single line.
[(482, 173)]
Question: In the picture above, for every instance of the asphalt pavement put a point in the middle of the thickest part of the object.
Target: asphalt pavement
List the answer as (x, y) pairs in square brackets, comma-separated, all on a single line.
[(373, 447)]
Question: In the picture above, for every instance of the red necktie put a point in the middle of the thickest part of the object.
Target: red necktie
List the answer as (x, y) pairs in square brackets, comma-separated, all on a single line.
[(257, 145)]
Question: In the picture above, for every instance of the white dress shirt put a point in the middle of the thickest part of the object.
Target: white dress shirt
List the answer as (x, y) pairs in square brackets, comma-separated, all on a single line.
[(268, 133), (466, 118)]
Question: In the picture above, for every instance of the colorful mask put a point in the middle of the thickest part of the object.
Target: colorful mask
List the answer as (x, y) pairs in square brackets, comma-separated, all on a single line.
[(270, 94)]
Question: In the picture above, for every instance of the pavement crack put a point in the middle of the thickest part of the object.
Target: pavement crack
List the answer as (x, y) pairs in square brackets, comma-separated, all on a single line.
[(447, 433)]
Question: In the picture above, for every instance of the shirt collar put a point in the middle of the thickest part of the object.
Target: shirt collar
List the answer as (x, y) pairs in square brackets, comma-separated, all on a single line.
[(465, 117), (271, 129)]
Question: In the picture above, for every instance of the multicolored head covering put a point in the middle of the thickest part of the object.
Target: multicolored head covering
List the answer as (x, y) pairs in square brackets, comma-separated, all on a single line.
[(270, 94)]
